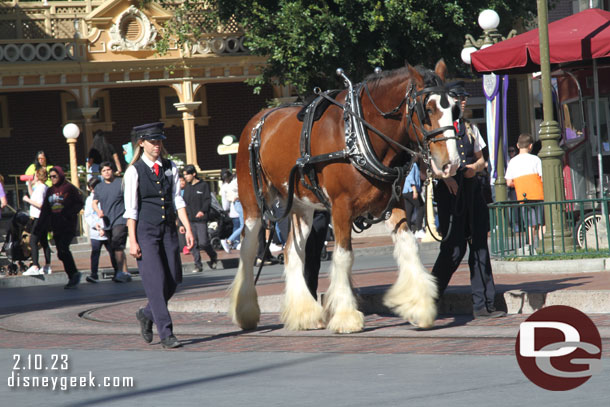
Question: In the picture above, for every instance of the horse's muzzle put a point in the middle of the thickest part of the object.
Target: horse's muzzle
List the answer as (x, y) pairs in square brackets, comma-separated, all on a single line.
[(448, 169)]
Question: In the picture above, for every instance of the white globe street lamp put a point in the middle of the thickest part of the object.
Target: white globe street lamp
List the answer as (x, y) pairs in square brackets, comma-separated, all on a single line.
[(71, 132), (488, 21)]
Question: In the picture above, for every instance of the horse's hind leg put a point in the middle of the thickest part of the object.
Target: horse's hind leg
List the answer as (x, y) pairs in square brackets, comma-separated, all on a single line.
[(243, 307), (301, 310), (414, 293), (341, 307)]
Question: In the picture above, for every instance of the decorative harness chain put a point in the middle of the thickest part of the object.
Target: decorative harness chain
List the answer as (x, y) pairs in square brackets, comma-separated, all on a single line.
[(358, 148)]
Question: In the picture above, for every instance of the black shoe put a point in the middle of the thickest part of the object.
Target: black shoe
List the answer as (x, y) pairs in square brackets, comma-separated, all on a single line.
[(170, 342), (73, 282), (485, 313), (92, 279), (145, 326), (212, 264)]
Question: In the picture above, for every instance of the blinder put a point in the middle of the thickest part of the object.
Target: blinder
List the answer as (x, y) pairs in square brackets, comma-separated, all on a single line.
[(415, 104)]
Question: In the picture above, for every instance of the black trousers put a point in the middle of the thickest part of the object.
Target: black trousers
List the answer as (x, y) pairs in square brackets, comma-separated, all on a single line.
[(202, 242), (469, 226), (62, 243), (412, 204), (313, 250), (160, 268), (44, 243), (96, 250), (262, 241)]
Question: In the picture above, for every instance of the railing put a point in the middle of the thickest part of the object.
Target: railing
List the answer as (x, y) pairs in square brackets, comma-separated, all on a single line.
[(34, 20), (43, 20), (549, 229)]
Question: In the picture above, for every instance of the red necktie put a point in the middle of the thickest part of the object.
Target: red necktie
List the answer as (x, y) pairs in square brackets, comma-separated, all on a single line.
[(156, 168)]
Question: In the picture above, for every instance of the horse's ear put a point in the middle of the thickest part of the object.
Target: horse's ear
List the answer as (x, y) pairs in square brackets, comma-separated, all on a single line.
[(416, 77), (441, 69)]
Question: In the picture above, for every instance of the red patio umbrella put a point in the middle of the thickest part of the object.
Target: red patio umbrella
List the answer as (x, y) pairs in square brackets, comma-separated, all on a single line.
[(581, 36)]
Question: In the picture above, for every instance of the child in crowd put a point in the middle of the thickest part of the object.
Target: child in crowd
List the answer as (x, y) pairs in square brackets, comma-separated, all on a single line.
[(96, 233)]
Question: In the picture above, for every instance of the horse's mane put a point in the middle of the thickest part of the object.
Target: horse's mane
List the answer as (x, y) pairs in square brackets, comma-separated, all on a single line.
[(430, 77)]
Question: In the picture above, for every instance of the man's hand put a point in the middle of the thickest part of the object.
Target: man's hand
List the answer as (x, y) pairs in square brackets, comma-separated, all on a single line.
[(451, 185), (470, 171), (199, 214), (190, 240), (100, 213), (415, 195)]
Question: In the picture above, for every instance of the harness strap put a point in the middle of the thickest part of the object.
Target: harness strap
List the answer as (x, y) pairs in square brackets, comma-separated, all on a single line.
[(386, 115), (309, 179), (371, 127)]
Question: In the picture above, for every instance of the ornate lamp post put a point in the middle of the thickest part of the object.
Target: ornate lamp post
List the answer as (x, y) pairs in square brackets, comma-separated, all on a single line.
[(488, 21), (550, 134), (71, 133)]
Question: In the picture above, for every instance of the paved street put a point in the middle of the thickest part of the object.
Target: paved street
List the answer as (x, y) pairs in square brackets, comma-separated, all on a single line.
[(460, 362)]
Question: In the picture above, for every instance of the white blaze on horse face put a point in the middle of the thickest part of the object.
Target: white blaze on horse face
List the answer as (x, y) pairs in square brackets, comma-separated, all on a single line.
[(446, 119)]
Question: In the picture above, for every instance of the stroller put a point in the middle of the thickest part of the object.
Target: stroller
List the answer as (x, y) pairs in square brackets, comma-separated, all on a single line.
[(220, 225), (17, 242)]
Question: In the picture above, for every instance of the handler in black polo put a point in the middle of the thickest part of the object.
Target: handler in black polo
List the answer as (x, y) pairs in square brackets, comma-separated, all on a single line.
[(461, 204), (152, 190), (197, 199)]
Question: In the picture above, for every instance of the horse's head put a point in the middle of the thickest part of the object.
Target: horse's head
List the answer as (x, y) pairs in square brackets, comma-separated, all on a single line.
[(430, 118)]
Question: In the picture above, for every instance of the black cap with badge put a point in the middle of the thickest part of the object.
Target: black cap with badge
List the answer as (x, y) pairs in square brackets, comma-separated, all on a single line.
[(456, 89), (151, 131)]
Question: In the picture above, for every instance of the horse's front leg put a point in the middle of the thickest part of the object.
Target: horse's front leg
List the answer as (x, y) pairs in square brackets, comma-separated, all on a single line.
[(243, 307), (413, 295), (341, 307), (301, 310)]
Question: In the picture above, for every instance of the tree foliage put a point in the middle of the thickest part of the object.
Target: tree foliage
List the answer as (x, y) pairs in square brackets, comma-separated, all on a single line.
[(306, 40)]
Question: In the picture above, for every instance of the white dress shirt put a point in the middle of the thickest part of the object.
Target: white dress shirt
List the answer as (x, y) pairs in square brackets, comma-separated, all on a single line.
[(130, 182)]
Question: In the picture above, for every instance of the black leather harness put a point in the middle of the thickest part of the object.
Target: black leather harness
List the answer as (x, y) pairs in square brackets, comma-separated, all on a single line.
[(358, 150)]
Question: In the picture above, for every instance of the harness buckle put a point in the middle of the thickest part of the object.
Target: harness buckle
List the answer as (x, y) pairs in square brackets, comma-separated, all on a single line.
[(303, 161)]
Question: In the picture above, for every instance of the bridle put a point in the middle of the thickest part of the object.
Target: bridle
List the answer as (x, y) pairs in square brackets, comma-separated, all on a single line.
[(415, 105)]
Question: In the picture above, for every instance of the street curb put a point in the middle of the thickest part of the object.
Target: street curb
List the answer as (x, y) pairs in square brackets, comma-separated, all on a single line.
[(454, 301), (498, 267), (550, 266)]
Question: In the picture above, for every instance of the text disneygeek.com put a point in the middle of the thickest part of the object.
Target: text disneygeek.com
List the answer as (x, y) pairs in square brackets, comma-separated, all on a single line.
[(29, 371)]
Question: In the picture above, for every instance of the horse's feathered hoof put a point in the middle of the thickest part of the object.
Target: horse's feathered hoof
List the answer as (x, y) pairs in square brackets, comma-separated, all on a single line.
[(247, 319), (346, 322), (303, 314)]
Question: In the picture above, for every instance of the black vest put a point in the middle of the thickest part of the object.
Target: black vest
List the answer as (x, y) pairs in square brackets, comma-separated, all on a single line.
[(465, 145), (155, 198)]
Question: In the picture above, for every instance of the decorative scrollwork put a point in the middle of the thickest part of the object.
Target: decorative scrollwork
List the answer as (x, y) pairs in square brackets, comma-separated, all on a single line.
[(145, 37), (220, 45)]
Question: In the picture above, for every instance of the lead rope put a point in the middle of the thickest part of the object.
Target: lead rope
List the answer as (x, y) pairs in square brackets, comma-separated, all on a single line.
[(430, 220)]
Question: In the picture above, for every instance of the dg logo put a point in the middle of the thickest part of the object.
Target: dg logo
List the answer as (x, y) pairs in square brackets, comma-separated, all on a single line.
[(558, 348)]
